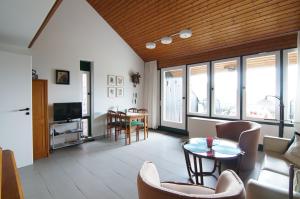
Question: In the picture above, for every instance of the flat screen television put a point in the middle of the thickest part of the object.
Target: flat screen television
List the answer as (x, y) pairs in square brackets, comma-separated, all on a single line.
[(67, 111)]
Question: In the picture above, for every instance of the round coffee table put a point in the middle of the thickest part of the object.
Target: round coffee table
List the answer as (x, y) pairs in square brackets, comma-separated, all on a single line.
[(196, 148)]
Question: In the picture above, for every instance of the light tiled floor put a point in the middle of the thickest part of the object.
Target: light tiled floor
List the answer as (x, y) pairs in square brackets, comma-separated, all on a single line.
[(107, 169)]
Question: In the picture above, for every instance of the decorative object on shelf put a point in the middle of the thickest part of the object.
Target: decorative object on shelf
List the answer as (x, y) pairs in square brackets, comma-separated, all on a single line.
[(34, 75), (111, 80), (135, 78), (183, 34), (111, 92), (120, 92), (62, 77), (120, 81)]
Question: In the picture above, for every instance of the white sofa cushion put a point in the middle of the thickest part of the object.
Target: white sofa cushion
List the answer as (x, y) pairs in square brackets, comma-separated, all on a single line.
[(293, 152), (275, 179), (149, 174), (275, 162)]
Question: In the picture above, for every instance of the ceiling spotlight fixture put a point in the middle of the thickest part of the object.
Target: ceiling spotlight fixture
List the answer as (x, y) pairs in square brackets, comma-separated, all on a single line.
[(166, 40), (150, 45), (186, 33)]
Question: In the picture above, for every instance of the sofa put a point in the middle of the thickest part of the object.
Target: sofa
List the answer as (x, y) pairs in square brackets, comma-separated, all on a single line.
[(273, 180)]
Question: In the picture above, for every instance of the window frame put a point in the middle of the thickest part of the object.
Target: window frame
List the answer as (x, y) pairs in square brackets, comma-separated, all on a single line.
[(208, 89), (244, 89), (212, 88), (284, 85)]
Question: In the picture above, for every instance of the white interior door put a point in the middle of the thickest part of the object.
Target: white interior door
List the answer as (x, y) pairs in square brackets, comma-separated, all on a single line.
[(15, 89), (173, 97)]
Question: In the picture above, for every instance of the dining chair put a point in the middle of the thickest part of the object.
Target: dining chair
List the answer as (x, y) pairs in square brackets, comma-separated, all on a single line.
[(133, 110), (229, 186), (110, 121), (123, 124), (142, 122)]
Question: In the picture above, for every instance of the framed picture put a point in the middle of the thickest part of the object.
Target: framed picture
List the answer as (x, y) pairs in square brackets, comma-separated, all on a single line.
[(120, 81), (62, 77), (111, 80), (120, 92), (111, 92)]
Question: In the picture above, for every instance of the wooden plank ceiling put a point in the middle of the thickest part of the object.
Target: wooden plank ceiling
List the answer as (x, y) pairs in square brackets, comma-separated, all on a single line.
[(216, 24)]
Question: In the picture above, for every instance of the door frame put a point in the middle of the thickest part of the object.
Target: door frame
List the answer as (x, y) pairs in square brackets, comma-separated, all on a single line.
[(176, 125)]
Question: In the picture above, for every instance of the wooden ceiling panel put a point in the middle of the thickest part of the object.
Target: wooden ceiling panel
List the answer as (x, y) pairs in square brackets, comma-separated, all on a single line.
[(216, 24)]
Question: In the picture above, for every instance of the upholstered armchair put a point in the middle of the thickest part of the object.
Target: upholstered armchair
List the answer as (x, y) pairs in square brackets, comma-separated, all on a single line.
[(246, 134), (228, 186)]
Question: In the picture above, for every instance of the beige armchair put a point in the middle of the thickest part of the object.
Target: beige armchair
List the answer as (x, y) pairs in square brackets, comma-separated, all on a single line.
[(228, 186), (247, 135)]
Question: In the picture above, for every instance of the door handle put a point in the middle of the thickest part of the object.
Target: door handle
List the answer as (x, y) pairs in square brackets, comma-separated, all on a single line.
[(24, 109)]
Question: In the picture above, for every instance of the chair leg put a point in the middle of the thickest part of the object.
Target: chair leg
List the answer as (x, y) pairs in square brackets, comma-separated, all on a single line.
[(137, 130)]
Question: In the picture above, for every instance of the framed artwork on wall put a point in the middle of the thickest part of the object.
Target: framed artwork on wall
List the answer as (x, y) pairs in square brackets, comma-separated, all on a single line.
[(111, 92), (120, 81), (111, 80), (62, 77), (120, 92)]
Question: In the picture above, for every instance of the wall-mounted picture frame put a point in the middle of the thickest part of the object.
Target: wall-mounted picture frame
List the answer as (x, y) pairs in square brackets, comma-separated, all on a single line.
[(62, 77), (111, 92), (120, 81), (111, 80), (120, 92)]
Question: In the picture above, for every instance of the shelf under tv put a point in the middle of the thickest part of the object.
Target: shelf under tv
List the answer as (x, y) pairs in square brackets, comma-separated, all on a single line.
[(60, 138)]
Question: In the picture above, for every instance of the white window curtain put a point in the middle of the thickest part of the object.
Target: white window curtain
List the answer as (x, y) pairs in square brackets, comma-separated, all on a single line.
[(151, 92), (297, 104)]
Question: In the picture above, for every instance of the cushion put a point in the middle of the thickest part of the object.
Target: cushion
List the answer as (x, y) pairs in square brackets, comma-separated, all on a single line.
[(188, 188), (297, 180), (291, 140), (277, 180), (275, 162), (293, 152), (149, 174)]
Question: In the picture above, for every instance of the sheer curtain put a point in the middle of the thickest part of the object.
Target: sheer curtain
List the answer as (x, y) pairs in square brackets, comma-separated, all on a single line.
[(297, 104), (151, 92)]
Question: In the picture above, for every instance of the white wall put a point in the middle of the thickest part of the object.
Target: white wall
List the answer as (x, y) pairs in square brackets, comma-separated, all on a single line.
[(77, 32), (16, 92), (202, 127)]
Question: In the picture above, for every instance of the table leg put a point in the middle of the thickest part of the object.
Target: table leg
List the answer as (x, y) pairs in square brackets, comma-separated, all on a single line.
[(201, 171), (188, 165), (196, 169)]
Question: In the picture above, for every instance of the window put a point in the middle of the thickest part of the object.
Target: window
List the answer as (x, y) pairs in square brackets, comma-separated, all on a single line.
[(198, 101), (290, 82), (261, 86), (225, 89)]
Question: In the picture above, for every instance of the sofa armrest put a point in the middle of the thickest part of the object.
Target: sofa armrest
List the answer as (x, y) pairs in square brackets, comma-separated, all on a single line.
[(275, 144), (256, 190)]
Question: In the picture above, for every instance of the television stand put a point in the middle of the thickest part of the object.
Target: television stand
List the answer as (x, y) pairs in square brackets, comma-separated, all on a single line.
[(62, 130)]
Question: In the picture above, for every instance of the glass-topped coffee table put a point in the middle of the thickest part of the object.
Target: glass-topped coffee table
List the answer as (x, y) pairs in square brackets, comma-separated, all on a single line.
[(196, 148)]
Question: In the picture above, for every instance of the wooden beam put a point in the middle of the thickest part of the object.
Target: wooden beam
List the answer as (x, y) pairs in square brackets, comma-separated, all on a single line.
[(45, 22)]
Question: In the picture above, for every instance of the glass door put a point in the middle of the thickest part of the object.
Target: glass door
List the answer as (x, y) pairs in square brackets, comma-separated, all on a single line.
[(173, 82), (85, 69)]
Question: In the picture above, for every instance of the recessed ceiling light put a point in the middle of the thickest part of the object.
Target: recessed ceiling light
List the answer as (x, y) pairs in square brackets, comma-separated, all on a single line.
[(186, 33), (166, 40), (150, 45)]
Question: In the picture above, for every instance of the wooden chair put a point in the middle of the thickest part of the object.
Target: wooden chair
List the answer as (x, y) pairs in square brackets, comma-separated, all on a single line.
[(11, 187), (141, 126), (110, 121), (133, 110), (123, 124)]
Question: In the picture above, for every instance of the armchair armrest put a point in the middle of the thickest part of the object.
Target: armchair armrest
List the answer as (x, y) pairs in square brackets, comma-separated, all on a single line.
[(256, 190), (275, 144)]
